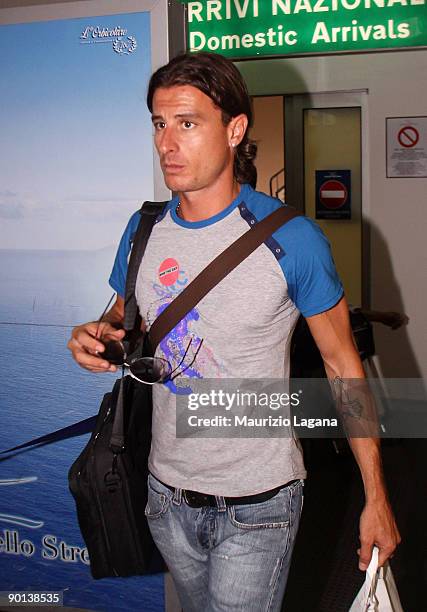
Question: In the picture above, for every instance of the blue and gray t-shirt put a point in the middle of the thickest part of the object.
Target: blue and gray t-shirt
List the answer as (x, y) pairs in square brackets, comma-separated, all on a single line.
[(246, 323)]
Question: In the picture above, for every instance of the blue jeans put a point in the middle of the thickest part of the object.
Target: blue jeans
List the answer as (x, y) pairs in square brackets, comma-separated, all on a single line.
[(226, 558)]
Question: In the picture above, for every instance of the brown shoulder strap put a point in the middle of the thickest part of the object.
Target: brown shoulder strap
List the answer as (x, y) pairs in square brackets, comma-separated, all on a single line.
[(216, 271)]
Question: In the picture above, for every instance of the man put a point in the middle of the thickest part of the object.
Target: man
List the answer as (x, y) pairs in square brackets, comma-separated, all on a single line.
[(224, 513)]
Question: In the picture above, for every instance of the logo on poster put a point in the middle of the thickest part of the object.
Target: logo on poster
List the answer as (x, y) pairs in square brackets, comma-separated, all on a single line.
[(125, 46), (11, 542), (116, 36), (52, 549)]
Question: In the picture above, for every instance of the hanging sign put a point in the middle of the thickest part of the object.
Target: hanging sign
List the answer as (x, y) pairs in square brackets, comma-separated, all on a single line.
[(406, 147), (255, 28), (333, 194)]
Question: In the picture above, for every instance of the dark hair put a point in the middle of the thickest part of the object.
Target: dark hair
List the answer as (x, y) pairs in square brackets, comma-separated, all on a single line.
[(218, 78)]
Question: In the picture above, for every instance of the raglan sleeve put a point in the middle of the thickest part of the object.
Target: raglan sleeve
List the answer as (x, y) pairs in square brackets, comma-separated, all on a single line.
[(118, 274), (313, 282)]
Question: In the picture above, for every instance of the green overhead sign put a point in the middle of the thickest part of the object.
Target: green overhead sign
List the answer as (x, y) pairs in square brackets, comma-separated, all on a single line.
[(251, 28)]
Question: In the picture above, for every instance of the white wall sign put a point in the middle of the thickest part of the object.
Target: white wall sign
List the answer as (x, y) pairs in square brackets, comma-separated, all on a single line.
[(406, 147)]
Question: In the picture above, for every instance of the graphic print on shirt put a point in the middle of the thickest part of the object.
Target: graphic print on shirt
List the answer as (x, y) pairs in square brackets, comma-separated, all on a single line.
[(171, 279), (181, 344), (169, 272)]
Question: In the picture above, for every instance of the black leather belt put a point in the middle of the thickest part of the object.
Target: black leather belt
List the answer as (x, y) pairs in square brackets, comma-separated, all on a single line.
[(197, 500)]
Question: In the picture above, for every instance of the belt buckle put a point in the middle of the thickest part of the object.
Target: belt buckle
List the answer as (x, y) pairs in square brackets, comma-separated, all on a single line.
[(195, 499)]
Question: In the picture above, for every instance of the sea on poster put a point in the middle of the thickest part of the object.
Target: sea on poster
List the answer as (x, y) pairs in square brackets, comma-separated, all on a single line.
[(76, 161)]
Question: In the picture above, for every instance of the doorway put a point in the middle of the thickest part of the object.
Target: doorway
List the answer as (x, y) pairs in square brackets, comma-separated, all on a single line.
[(310, 154)]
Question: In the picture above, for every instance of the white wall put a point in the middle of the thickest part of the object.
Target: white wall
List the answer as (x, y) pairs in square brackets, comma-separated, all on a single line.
[(396, 209)]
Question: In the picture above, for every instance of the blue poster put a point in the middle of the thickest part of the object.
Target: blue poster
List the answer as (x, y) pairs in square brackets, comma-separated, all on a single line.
[(76, 162)]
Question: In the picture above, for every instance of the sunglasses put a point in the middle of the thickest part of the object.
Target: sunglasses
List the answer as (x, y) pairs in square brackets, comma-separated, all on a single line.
[(145, 369)]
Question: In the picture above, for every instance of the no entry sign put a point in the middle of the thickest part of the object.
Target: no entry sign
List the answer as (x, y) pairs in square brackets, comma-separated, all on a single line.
[(333, 194)]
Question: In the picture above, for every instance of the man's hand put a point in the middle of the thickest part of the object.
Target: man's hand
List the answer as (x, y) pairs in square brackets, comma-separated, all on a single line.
[(377, 527), (86, 344), (86, 347)]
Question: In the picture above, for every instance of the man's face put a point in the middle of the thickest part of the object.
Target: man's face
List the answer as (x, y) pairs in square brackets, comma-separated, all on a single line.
[(194, 145)]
